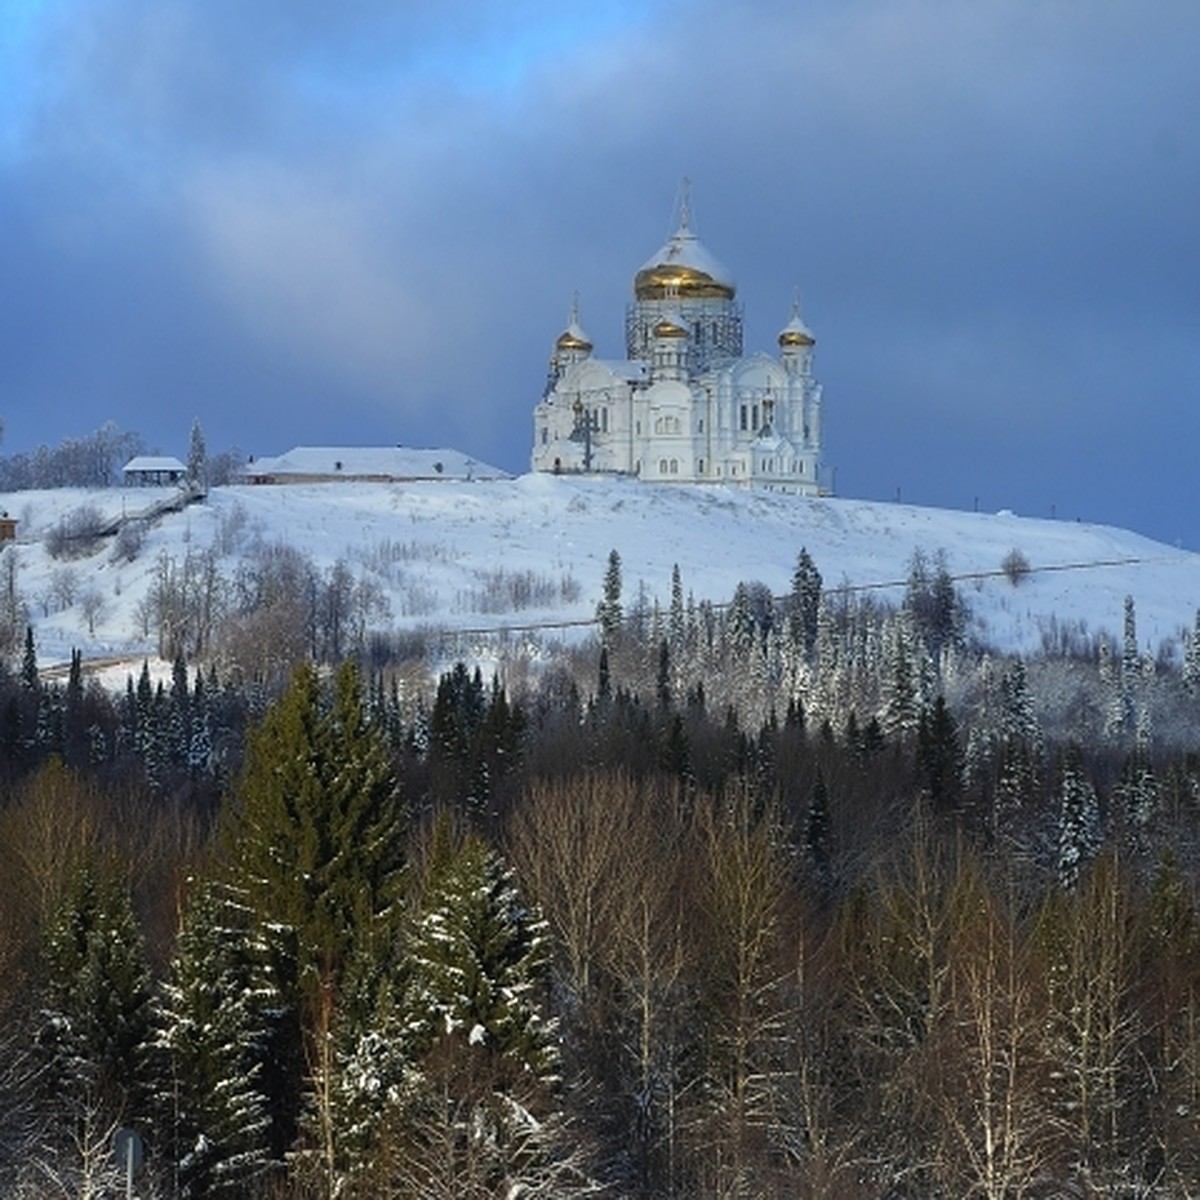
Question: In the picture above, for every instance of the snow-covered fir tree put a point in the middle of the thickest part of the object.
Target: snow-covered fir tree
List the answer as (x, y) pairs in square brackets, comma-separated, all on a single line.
[(212, 1020), (486, 1052), (94, 1034), (1079, 831)]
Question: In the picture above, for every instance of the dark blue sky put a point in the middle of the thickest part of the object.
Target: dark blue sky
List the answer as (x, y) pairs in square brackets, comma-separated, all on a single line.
[(309, 223)]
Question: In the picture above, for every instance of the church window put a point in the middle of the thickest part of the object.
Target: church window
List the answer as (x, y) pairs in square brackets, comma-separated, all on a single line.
[(743, 426), (604, 420), (638, 428), (755, 421), (545, 435), (700, 467), (662, 466), (674, 466), (700, 425)]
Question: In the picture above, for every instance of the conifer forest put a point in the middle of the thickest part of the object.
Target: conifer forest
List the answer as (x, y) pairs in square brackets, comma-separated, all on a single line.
[(796, 896)]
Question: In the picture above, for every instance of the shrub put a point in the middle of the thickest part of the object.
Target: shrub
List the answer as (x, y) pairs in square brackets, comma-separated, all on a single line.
[(130, 539), (77, 534), (1015, 566)]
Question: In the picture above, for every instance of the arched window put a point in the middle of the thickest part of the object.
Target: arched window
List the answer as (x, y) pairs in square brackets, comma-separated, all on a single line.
[(662, 466), (674, 466), (700, 467)]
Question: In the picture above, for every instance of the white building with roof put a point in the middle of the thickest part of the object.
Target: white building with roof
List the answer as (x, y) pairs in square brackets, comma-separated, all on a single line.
[(368, 464), (685, 404)]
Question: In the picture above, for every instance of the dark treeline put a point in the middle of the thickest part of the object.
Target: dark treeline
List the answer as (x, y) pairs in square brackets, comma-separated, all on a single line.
[(791, 898)]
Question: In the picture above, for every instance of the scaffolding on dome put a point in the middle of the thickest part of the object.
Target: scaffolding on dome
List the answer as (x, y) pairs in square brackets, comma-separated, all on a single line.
[(715, 328)]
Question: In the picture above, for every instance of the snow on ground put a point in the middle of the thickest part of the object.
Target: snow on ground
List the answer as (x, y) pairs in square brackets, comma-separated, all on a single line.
[(444, 551)]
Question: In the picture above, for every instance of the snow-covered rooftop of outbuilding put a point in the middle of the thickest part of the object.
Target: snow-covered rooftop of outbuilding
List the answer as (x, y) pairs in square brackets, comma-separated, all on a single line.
[(154, 462), (393, 462)]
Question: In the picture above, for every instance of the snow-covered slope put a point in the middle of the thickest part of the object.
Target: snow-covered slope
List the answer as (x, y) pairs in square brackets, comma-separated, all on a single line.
[(471, 555)]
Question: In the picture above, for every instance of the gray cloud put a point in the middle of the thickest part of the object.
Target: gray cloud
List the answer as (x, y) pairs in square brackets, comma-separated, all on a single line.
[(365, 224)]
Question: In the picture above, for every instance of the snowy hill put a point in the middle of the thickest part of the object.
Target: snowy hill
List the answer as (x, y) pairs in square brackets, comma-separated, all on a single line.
[(532, 551)]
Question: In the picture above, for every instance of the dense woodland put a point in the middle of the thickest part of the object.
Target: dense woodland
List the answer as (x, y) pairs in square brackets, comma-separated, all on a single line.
[(799, 896)]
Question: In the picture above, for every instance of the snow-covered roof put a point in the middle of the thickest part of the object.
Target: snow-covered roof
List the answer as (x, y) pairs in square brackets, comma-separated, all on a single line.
[(383, 462), (684, 249), (154, 462), (623, 368)]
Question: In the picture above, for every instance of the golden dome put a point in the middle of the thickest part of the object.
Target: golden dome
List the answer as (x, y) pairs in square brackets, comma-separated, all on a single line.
[(670, 326), (683, 268), (661, 280), (796, 337), (572, 338), (795, 332)]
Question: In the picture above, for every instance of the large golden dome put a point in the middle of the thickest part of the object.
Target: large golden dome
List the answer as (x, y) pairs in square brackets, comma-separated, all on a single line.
[(683, 268)]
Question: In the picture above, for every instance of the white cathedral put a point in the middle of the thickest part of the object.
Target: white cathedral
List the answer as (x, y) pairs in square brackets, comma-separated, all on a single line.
[(684, 405)]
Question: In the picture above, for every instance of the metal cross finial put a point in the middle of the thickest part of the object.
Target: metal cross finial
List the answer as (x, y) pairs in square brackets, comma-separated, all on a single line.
[(685, 205), (796, 301), (573, 316)]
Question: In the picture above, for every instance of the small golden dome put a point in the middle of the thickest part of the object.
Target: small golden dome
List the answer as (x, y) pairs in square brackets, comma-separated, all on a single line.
[(795, 332), (796, 337), (573, 338), (670, 326)]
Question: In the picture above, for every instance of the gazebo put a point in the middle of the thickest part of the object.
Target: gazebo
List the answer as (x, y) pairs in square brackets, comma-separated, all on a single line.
[(153, 470)]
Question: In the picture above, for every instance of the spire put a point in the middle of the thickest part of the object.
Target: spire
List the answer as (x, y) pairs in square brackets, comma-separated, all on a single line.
[(685, 205), (573, 314)]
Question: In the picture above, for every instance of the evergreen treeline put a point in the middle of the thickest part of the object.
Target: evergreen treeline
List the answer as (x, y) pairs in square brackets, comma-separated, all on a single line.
[(798, 897)]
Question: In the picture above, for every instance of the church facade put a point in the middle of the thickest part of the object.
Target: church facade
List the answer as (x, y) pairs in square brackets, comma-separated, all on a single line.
[(685, 405)]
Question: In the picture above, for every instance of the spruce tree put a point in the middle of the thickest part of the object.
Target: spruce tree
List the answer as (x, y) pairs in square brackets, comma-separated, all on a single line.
[(608, 611), (29, 667), (213, 1019), (318, 838), (95, 1023), (1191, 659), (939, 756), (805, 603), (197, 462), (1079, 832), (316, 845), (483, 1118)]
